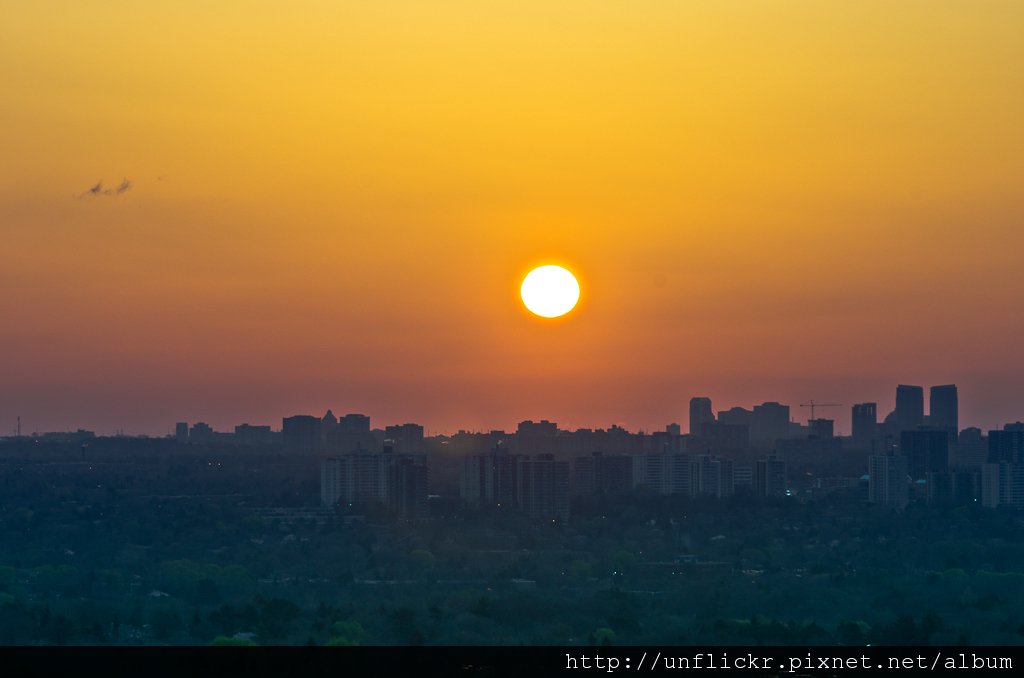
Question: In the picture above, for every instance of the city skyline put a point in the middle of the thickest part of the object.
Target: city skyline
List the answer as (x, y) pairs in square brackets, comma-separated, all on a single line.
[(235, 214), (942, 411)]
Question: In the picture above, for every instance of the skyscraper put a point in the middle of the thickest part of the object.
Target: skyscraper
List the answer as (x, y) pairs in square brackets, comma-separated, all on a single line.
[(943, 410), (770, 477), (821, 428), (865, 424), (700, 413), (1006, 447), (909, 407), (926, 450), (770, 422), (544, 488), (301, 434), (887, 480)]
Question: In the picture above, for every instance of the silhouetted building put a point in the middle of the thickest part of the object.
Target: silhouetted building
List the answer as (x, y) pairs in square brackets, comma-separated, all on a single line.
[(770, 478), (247, 434), (943, 409), (181, 432), (405, 438), (888, 480), (1002, 484), (909, 407), (714, 476), (537, 486), (328, 423), (490, 480), (717, 436), (971, 450), (700, 414), (926, 450), (397, 483), (301, 434), (544, 488), (1006, 446), (652, 473), (408, 487), (601, 474), (737, 416), (769, 422), (821, 428), (953, 488), (201, 433), (864, 421), (352, 434), (537, 428), (743, 479), (665, 474)]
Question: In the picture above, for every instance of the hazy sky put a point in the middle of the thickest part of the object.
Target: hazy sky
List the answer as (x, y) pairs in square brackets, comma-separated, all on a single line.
[(332, 204)]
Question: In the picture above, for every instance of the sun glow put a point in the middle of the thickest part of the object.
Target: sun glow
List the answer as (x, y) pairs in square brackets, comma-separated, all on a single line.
[(550, 291)]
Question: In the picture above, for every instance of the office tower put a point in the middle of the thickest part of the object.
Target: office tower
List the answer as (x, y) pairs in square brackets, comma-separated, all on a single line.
[(769, 422), (405, 438), (722, 437), (247, 434), (943, 410), (354, 424), (714, 476), (361, 480), (953, 488), (971, 450), (200, 433), (821, 428), (490, 480), (770, 477), (603, 474), (181, 432), (864, 420), (909, 407), (682, 475), (926, 450), (1006, 446), (540, 428), (887, 480), (1002, 484), (652, 473), (700, 413), (408, 487), (352, 434), (301, 434), (664, 474), (333, 480), (544, 488), (737, 416), (743, 478)]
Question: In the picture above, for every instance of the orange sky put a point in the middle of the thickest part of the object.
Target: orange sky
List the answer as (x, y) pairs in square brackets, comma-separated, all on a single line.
[(333, 205)]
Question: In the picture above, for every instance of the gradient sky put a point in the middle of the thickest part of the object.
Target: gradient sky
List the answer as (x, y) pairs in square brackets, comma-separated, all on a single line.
[(333, 204)]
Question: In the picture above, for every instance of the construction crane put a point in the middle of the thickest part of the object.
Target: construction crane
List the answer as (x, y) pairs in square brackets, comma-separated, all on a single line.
[(813, 404)]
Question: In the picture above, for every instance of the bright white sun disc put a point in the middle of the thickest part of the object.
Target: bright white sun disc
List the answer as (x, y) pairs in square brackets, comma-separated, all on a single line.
[(550, 291)]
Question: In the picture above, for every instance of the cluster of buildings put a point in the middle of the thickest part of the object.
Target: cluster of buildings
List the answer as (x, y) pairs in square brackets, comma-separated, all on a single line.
[(909, 455), (928, 457), (540, 485)]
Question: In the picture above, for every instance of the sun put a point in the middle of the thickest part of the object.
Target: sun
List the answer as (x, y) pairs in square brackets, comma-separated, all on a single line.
[(550, 291)]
